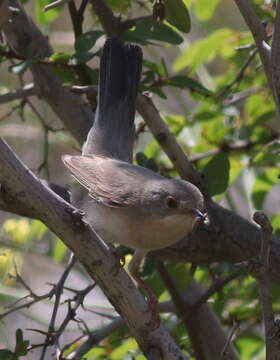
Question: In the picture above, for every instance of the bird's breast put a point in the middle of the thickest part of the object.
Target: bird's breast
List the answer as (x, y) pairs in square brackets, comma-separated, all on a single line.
[(123, 226)]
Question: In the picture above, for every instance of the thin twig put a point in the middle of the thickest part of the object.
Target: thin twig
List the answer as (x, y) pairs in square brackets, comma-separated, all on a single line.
[(275, 55), (55, 4), (96, 336), (237, 79), (233, 330), (261, 39), (78, 301), (58, 292)]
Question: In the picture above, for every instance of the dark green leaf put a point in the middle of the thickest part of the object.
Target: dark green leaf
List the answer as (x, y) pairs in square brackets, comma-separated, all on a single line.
[(146, 162), (81, 58), (149, 30), (185, 82), (216, 172), (87, 40), (21, 345), (157, 90), (155, 67), (177, 15), (66, 74), (6, 354)]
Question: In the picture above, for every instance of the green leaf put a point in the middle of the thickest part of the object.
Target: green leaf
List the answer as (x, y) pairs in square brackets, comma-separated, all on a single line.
[(86, 41), (81, 58), (204, 9), (177, 15), (149, 30), (37, 230), (249, 345), (146, 162), (6, 354), (216, 172), (263, 184), (215, 131), (275, 222), (127, 346), (203, 50), (60, 57), (46, 17), (185, 82), (21, 345)]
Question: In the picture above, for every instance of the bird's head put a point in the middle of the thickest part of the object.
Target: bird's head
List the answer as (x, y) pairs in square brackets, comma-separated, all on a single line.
[(177, 200)]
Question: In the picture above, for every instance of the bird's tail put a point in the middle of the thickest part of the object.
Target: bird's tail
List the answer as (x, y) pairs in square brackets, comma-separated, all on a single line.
[(113, 131)]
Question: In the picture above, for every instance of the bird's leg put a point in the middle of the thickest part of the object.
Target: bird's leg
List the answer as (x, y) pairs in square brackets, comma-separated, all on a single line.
[(133, 269)]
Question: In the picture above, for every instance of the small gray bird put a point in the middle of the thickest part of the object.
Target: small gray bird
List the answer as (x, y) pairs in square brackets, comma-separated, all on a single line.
[(125, 203)]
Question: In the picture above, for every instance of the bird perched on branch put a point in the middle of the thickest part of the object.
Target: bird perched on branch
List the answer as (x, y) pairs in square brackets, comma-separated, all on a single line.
[(125, 203)]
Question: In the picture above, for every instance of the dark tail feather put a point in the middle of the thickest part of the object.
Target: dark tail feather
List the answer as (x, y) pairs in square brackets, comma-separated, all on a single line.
[(113, 130)]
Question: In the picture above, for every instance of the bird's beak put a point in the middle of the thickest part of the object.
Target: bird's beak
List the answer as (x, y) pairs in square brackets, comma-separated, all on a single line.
[(202, 217)]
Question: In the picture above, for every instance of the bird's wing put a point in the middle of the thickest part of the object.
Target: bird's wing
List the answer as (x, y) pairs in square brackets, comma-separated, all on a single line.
[(110, 181)]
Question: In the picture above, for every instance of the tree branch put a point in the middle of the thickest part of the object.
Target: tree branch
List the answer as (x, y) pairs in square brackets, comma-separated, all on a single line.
[(215, 336), (271, 328), (275, 55), (110, 23), (19, 94), (261, 39)]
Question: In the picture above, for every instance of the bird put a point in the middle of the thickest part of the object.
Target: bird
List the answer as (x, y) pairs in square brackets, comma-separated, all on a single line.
[(125, 203)]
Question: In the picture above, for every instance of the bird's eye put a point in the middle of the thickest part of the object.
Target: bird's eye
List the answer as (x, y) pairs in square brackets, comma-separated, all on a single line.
[(171, 202)]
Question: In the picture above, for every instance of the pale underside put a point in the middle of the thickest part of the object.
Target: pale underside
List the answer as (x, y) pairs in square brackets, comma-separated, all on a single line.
[(121, 226)]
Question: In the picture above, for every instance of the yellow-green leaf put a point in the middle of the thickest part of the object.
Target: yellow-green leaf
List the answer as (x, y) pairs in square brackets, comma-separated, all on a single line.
[(204, 9), (203, 50)]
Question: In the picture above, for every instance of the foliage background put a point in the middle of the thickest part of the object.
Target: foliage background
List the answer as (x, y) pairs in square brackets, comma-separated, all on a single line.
[(223, 118)]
